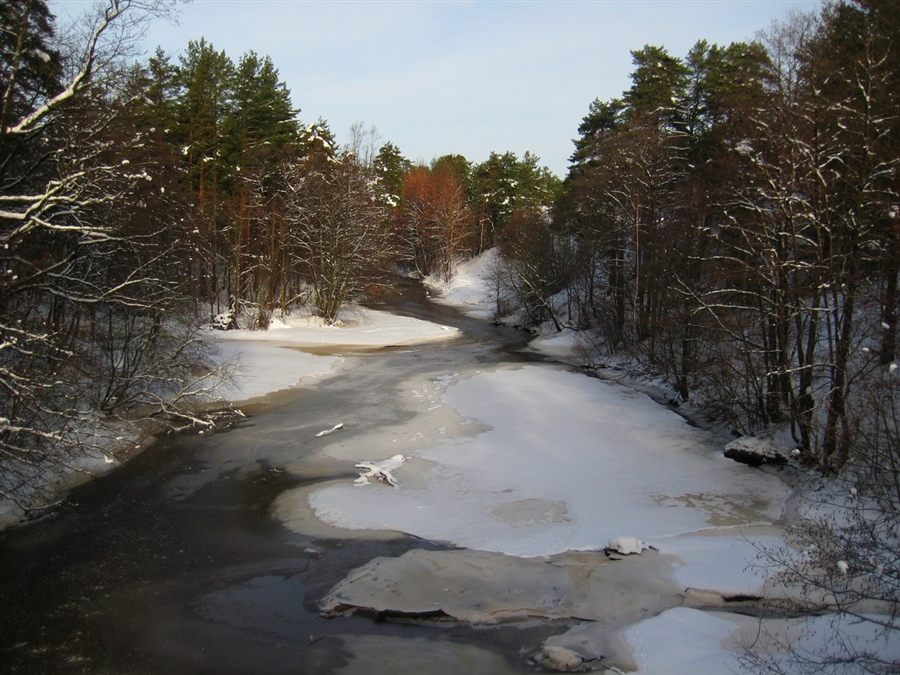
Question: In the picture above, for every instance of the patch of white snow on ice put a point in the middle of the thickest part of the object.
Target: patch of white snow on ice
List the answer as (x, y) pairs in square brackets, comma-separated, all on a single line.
[(684, 641), (357, 327), (606, 460), (271, 360), (261, 369)]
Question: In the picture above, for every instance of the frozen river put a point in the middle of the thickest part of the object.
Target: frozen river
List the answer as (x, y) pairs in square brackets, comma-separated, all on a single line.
[(220, 553)]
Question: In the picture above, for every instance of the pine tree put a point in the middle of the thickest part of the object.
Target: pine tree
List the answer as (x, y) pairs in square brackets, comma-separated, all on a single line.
[(602, 117), (204, 78), (389, 167), (658, 85), (30, 68), (262, 132)]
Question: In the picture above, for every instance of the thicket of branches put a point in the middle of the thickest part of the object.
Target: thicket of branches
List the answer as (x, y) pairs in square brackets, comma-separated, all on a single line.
[(90, 300), (736, 219)]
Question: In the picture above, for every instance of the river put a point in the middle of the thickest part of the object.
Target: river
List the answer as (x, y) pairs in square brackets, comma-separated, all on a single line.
[(173, 564)]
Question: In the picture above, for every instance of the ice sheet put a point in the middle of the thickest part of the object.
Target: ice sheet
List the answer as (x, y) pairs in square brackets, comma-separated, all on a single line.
[(567, 463)]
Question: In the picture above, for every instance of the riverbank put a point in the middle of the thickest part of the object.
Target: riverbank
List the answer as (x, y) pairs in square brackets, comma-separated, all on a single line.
[(296, 350), (515, 474)]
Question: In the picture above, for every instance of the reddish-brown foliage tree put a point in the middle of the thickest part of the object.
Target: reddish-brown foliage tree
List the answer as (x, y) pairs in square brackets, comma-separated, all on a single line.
[(435, 222)]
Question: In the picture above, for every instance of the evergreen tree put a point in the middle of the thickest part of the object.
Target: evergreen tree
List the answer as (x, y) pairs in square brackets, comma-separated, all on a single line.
[(602, 117), (205, 77), (263, 120), (159, 87), (494, 191), (30, 67), (458, 166), (205, 81), (390, 166), (658, 84), (262, 133), (318, 147)]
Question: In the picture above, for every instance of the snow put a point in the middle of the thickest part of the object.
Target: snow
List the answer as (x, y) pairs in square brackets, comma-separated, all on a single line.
[(682, 640), (356, 327), (565, 462), (532, 462), (627, 545), (326, 432), (469, 290), (262, 368), (563, 346), (383, 470), (272, 360)]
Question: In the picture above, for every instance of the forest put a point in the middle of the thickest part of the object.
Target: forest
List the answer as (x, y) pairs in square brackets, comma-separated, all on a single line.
[(729, 222), (142, 199)]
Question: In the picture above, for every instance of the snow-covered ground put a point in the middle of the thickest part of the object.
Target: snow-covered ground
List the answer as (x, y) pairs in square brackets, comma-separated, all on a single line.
[(470, 288), (300, 347)]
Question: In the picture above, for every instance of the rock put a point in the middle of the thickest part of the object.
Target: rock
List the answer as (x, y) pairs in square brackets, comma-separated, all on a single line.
[(755, 452), (626, 546), (561, 660), (483, 588)]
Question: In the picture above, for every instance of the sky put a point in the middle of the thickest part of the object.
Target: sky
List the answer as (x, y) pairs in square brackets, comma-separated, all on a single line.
[(458, 77)]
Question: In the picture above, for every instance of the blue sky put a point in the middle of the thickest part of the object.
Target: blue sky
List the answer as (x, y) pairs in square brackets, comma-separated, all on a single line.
[(438, 77)]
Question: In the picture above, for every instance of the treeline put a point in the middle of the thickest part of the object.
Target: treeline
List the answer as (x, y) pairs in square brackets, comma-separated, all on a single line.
[(275, 212), (732, 220)]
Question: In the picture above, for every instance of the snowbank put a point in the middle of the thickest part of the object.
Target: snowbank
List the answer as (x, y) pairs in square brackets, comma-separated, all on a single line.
[(470, 288), (292, 349), (567, 346), (356, 327)]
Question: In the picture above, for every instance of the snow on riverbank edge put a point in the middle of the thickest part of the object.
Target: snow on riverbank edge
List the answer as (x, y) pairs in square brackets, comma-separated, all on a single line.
[(299, 347), (295, 350)]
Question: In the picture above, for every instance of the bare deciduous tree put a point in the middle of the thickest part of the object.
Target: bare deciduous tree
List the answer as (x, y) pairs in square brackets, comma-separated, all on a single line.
[(89, 321), (339, 233)]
